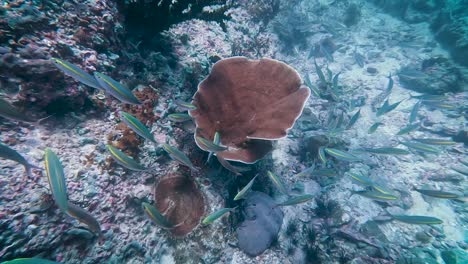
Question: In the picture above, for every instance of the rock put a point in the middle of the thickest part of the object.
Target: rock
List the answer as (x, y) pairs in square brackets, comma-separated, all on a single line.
[(454, 256), (451, 28), (78, 233), (352, 15), (371, 70), (261, 224), (434, 76)]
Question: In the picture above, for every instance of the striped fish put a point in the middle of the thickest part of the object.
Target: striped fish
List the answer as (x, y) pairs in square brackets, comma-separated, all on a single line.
[(420, 147), (156, 216), (341, 155), (228, 166), (296, 200), (124, 160), (435, 141), (30, 261), (136, 126), (244, 190), (277, 181), (216, 140), (209, 146), (438, 194), (76, 73), (361, 179), (178, 155), (116, 89), (374, 127), (83, 216), (56, 178), (10, 112), (179, 117), (215, 215), (417, 219), (11, 154), (376, 195), (353, 119), (185, 105)]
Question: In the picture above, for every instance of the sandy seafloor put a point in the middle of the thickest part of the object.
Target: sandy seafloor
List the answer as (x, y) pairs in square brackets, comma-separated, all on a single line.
[(130, 237)]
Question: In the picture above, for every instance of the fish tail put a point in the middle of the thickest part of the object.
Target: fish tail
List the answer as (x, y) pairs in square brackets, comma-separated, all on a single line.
[(29, 168), (38, 122)]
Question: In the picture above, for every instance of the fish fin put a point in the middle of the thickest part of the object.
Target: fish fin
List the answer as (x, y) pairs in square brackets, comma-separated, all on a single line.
[(29, 167)]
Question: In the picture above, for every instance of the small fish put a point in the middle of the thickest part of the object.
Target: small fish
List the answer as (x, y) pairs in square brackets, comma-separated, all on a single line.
[(321, 154), (376, 195), (216, 140), (185, 105), (83, 216), (324, 173), (417, 219), (124, 160), (335, 81), (390, 83), (30, 261), (341, 155), (320, 73), (361, 179), (228, 166), (389, 151), (315, 91), (414, 112), (56, 178), (296, 200), (76, 73), (462, 170), (209, 146), (156, 216), (329, 74), (430, 97), (179, 117), (11, 154), (420, 147), (381, 189), (374, 127), (136, 126), (217, 214), (387, 107), (10, 112), (359, 58), (281, 187), (116, 89), (305, 172), (244, 190), (408, 128), (435, 141), (438, 194), (353, 119), (441, 105), (178, 156)]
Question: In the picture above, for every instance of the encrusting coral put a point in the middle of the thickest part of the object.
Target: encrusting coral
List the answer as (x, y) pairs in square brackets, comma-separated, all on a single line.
[(177, 196), (250, 103)]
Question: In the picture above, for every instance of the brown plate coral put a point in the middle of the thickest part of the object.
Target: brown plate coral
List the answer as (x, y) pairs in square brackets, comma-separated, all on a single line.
[(250, 103), (178, 198)]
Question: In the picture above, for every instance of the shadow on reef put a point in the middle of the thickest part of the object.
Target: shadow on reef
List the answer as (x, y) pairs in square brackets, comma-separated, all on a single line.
[(145, 19)]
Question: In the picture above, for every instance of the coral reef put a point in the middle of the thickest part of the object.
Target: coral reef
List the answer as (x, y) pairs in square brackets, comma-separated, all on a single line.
[(60, 31)]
